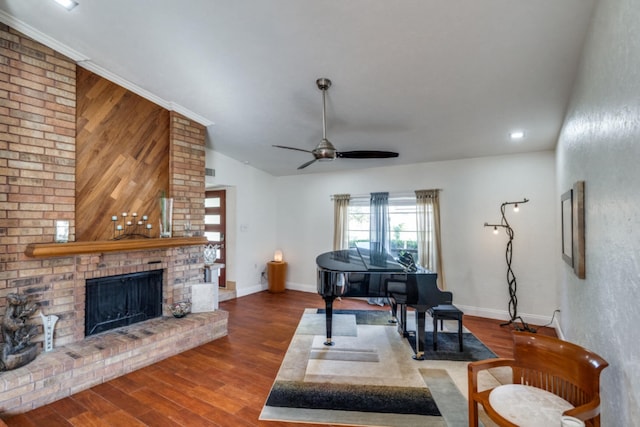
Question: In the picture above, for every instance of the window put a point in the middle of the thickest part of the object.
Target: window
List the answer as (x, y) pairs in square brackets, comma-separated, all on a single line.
[(212, 217), (403, 233)]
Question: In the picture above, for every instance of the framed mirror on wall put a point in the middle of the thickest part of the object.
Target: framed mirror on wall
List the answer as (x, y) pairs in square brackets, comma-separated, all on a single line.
[(572, 220), (567, 227)]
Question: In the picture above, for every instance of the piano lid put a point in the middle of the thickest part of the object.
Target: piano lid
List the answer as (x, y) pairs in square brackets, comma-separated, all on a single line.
[(358, 260)]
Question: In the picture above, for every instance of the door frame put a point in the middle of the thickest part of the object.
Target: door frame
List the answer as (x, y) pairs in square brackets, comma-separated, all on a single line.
[(221, 228)]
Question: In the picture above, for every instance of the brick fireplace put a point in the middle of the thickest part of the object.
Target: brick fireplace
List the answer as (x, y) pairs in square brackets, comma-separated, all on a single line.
[(38, 170), (84, 362)]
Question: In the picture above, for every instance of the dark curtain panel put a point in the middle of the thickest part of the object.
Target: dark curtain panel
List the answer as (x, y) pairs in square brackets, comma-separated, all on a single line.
[(379, 227)]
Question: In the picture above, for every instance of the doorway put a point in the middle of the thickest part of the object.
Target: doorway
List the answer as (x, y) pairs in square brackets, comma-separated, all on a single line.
[(215, 223)]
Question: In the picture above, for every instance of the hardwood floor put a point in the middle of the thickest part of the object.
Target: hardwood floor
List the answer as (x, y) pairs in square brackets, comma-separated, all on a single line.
[(222, 383)]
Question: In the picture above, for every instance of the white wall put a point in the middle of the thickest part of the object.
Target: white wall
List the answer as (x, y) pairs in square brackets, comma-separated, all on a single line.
[(251, 219), (472, 191), (600, 144)]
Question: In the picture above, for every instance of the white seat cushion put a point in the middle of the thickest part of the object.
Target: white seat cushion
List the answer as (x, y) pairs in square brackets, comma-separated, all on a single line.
[(528, 406)]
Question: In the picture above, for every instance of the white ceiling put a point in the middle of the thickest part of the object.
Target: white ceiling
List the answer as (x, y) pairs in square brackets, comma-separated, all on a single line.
[(430, 79)]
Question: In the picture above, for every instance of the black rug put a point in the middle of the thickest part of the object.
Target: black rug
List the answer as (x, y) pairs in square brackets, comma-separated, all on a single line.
[(449, 349), (352, 397)]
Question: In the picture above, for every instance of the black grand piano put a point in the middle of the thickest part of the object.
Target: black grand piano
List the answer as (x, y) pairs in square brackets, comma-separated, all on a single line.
[(358, 272)]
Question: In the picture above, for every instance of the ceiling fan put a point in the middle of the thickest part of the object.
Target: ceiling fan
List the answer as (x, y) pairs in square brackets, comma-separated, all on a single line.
[(325, 149)]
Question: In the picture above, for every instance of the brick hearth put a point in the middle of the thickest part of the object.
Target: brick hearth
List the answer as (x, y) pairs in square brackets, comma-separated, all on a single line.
[(72, 368)]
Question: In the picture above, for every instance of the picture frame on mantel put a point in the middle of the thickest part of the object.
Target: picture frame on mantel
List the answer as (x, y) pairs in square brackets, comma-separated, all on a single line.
[(572, 220)]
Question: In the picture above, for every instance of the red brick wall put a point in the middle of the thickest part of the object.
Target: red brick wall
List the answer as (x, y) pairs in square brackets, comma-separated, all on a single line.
[(37, 186), (37, 163), (187, 187), (187, 164)]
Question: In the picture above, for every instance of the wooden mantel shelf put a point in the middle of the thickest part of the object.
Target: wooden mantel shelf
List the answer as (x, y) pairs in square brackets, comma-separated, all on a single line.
[(44, 250)]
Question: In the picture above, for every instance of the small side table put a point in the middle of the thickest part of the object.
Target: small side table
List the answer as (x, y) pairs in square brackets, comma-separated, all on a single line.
[(277, 273), (211, 273), (445, 312)]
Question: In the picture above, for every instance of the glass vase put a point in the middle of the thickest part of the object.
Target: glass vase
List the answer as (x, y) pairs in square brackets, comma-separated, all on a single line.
[(166, 216)]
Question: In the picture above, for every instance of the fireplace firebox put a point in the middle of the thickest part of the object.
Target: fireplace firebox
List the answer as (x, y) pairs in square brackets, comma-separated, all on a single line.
[(115, 301)]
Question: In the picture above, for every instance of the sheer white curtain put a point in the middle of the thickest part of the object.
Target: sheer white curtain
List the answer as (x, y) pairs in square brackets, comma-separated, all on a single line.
[(341, 229), (341, 221), (429, 240)]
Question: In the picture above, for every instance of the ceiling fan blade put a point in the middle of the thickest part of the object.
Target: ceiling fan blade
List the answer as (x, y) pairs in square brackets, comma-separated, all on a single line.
[(366, 154), (304, 165), (292, 148)]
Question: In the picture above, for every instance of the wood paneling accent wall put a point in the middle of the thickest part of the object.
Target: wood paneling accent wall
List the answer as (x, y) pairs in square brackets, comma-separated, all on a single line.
[(122, 154)]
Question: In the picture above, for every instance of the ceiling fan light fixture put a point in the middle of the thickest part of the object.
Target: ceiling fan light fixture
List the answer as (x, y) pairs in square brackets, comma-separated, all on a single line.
[(325, 150)]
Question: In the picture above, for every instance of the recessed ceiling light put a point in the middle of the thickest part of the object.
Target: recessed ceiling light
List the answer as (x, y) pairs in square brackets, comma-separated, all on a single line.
[(517, 135), (67, 4)]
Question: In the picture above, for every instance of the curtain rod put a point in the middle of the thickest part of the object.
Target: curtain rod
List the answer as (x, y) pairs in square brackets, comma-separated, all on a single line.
[(391, 194)]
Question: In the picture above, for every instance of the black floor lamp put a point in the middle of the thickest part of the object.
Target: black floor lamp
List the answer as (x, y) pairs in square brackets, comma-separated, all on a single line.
[(511, 277)]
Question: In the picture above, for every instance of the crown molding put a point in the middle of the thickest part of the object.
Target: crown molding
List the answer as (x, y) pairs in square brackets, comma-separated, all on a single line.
[(40, 37), (85, 62), (190, 114), (169, 105)]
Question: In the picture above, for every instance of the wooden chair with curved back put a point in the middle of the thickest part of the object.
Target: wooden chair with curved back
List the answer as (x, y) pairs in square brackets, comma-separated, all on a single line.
[(546, 368)]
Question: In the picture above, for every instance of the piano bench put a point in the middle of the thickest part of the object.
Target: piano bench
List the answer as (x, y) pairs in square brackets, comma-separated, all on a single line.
[(445, 312)]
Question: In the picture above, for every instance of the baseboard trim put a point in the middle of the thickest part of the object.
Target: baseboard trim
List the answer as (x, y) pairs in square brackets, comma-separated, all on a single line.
[(469, 310)]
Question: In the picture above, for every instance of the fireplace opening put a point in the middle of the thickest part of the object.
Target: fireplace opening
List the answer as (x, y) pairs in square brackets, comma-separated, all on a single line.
[(115, 301)]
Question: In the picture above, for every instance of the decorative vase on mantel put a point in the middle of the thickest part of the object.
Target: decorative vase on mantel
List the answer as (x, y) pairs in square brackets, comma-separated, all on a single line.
[(166, 216)]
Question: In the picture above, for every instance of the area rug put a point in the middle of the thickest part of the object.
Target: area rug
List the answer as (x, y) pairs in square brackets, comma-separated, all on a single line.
[(367, 378)]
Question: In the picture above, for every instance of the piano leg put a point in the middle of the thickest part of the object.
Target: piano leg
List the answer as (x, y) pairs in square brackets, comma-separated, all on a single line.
[(328, 301), (399, 310), (420, 331), (403, 320), (394, 310)]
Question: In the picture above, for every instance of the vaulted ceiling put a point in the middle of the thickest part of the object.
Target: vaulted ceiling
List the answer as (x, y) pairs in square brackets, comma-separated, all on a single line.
[(430, 79)]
